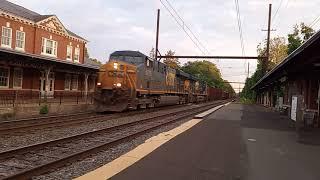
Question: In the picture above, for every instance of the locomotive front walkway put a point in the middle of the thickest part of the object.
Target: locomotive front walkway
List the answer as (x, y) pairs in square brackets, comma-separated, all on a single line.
[(236, 142)]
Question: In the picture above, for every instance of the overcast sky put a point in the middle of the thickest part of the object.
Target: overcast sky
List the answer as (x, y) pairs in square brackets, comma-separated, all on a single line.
[(112, 25)]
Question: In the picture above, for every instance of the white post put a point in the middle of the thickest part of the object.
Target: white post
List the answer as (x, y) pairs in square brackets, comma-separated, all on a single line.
[(47, 84), (86, 76)]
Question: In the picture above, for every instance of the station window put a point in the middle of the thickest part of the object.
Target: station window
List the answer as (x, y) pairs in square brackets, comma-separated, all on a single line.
[(69, 52), (92, 83), (4, 77), (20, 40), (49, 47), (74, 85), (77, 55), (67, 82), (17, 78), (6, 37)]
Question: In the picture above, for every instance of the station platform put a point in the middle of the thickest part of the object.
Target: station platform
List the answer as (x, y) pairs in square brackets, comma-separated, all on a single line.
[(234, 143)]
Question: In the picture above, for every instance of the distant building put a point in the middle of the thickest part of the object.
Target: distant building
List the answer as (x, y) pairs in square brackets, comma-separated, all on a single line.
[(39, 56)]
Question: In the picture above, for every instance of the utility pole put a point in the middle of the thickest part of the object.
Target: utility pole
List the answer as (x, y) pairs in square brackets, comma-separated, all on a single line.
[(265, 61), (157, 35)]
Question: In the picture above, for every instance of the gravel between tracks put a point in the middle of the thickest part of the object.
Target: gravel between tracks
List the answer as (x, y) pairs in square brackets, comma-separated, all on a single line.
[(24, 139), (94, 161)]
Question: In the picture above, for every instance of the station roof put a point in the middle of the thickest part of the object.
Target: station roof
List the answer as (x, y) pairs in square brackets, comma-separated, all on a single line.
[(47, 60), (304, 59)]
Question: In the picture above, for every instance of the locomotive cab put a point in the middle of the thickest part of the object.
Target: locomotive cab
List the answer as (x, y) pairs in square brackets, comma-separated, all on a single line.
[(115, 86)]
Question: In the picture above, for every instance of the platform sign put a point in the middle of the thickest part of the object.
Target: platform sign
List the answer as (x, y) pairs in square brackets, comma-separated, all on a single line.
[(294, 106)]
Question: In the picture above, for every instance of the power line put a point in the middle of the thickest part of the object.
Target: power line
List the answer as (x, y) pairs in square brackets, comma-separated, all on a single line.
[(275, 14), (315, 21), (240, 31), (286, 6), (240, 27), (185, 25), (182, 26)]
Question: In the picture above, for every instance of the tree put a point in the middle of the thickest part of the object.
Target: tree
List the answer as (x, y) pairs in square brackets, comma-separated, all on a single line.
[(96, 61), (152, 53), (278, 51), (86, 53), (172, 62), (207, 72), (299, 35)]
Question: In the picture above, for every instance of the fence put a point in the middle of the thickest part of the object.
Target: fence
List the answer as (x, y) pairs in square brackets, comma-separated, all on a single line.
[(31, 98)]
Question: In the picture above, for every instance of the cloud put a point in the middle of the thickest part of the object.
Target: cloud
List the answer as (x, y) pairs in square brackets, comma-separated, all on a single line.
[(112, 25)]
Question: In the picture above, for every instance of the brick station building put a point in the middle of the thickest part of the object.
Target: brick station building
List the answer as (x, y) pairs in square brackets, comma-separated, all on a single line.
[(39, 57)]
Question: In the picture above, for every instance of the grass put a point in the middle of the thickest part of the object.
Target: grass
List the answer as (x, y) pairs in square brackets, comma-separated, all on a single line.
[(247, 101)]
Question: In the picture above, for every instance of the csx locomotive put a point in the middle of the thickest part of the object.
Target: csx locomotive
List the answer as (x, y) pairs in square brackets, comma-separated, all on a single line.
[(132, 80)]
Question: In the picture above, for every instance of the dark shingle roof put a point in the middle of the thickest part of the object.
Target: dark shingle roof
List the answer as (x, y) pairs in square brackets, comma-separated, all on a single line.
[(27, 14), (41, 17), (17, 10)]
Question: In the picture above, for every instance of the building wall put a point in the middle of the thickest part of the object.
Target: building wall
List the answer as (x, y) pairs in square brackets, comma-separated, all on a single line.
[(63, 42), (33, 39)]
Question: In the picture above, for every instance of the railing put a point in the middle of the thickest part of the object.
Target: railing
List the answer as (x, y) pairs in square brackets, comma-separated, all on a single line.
[(14, 98)]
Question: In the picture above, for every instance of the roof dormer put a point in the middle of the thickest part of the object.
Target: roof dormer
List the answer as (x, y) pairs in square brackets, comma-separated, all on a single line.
[(52, 22)]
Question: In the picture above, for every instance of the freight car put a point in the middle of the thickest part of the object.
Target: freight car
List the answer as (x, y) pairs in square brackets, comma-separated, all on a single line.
[(218, 94), (132, 80)]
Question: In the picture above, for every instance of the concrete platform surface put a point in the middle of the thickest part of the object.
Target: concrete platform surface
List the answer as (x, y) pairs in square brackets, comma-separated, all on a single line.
[(237, 142)]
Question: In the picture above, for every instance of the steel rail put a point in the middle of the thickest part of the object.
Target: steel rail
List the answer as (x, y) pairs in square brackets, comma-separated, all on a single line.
[(17, 126), (75, 156)]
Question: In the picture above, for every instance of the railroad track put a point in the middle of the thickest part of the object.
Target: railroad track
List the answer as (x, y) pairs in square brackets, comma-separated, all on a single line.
[(14, 127), (29, 161)]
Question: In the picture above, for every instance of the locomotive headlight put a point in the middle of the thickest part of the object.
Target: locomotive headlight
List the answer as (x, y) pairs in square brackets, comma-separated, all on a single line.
[(99, 84), (118, 84), (115, 65)]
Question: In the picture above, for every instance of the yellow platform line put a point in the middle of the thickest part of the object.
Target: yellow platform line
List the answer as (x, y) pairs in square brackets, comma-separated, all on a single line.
[(133, 156)]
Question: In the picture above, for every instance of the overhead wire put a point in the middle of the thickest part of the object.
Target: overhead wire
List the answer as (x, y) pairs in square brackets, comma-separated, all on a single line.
[(182, 26), (285, 7), (185, 25), (240, 27), (315, 21), (240, 31), (277, 10)]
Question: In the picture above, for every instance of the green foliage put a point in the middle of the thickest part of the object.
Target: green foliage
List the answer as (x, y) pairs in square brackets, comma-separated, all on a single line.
[(278, 51), (207, 72), (96, 61), (44, 109), (152, 53), (246, 100), (172, 62), (7, 116), (247, 92), (299, 35)]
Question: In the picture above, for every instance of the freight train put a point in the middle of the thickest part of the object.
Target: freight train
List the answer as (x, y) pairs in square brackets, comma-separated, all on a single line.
[(131, 80)]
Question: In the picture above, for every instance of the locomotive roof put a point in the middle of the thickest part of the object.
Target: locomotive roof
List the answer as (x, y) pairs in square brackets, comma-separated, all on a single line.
[(128, 53), (139, 54)]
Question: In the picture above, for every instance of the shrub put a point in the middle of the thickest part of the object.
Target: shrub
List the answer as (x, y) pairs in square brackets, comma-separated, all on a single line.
[(246, 101), (44, 109), (7, 116)]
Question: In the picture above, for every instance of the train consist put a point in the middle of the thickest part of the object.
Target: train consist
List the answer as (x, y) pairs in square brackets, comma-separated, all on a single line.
[(132, 80)]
